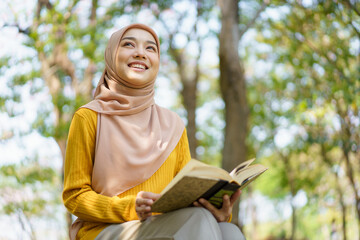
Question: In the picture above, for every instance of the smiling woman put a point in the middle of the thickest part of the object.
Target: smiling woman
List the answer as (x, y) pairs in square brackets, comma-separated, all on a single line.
[(137, 57), (123, 149)]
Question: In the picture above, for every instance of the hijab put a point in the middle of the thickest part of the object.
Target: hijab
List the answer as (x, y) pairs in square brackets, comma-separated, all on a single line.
[(134, 135)]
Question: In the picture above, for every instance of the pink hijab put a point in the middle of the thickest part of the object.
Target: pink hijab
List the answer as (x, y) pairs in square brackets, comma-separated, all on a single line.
[(134, 135)]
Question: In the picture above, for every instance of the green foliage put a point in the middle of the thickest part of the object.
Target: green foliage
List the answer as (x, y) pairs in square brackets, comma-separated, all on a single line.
[(134, 6), (22, 79), (4, 61), (274, 183), (310, 91), (28, 175), (28, 190)]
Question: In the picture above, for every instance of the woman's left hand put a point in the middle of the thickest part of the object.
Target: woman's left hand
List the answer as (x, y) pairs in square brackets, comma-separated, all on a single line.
[(223, 214), (143, 203)]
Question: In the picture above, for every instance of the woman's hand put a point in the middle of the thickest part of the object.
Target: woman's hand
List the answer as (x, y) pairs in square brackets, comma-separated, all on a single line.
[(222, 214), (143, 203)]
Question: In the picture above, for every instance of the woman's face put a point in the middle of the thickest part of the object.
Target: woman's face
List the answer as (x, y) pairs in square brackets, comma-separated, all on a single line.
[(137, 58)]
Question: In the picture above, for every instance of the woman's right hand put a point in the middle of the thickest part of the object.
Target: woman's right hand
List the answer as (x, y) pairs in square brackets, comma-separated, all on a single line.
[(143, 203)]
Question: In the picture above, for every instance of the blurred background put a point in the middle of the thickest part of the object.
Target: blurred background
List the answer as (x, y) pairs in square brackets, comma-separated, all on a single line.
[(275, 80)]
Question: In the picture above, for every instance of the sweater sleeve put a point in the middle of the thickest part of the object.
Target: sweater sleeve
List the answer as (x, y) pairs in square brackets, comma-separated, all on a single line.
[(183, 153), (78, 196)]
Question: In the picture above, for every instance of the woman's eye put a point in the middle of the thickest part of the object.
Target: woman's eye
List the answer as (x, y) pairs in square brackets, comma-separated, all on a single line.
[(151, 48), (128, 44)]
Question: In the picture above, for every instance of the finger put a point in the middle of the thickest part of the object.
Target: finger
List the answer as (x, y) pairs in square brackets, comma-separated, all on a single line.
[(149, 195), (142, 209), (143, 201), (226, 203), (209, 206), (143, 217), (197, 204), (218, 214), (235, 197), (140, 194)]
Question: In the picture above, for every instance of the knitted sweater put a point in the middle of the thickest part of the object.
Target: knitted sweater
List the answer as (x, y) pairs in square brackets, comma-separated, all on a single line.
[(98, 211)]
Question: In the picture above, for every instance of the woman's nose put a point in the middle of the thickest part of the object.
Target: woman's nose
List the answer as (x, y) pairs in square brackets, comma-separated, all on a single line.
[(139, 52)]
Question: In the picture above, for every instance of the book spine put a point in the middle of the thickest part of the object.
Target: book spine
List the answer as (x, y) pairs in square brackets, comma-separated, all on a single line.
[(214, 189)]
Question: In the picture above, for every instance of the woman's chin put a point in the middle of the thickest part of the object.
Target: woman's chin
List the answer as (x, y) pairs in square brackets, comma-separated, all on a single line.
[(138, 81)]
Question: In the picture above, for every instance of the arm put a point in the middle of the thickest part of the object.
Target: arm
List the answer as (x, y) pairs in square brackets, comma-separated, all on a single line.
[(78, 196)]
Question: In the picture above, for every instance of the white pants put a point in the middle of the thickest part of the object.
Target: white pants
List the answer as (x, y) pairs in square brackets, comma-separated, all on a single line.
[(184, 224)]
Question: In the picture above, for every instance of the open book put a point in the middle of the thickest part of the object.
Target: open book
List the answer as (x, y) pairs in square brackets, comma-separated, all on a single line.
[(199, 180)]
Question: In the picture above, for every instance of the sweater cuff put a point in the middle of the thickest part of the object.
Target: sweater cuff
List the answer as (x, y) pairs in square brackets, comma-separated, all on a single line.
[(123, 207)]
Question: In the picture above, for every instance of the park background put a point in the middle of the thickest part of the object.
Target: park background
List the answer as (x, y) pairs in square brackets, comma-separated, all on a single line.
[(276, 80)]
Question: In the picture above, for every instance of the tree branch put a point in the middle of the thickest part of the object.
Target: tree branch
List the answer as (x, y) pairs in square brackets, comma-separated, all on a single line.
[(94, 5), (25, 31), (355, 29), (252, 21), (353, 7), (40, 5), (332, 62)]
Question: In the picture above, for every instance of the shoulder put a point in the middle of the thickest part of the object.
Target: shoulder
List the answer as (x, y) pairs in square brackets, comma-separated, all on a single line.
[(86, 115)]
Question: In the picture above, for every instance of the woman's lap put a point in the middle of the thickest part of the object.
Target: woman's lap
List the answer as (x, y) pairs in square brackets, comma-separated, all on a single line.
[(187, 223)]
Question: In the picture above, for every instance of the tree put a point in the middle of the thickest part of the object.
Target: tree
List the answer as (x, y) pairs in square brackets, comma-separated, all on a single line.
[(317, 63), (233, 86), (31, 178), (56, 35)]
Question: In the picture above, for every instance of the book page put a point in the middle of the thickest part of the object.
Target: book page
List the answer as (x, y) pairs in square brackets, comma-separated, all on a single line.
[(199, 169), (241, 167), (183, 194), (249, 173), (210, 172)]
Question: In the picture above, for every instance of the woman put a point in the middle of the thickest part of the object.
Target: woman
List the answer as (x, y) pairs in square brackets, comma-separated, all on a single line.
[(123, 149)]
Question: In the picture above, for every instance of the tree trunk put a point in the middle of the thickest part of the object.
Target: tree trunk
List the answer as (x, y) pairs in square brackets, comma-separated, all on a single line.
[(350, 175), (290, 175), (343, 216), (293, 218), (233, 89), (346, 132), (338, 189), (189, 91), (189, 99), (253, 214)]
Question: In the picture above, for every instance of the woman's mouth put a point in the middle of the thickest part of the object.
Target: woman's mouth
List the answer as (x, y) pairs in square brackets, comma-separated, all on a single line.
[(140, 66)]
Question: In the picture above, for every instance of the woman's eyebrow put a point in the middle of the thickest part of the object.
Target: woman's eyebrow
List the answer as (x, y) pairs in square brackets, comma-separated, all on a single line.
[(134, 39)]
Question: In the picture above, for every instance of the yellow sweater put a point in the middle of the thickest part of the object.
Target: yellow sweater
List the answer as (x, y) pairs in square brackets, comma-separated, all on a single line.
[(98, 211)]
